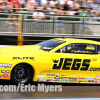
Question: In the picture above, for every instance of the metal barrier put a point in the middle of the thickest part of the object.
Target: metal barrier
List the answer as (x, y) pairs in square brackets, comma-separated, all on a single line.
[(51, 27), (24, 25), (8, 25), (67, 27), (93, 25), (31, 26), (55, 25)]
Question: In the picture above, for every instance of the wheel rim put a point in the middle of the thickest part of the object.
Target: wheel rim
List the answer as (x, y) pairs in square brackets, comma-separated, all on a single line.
[(21, 73)]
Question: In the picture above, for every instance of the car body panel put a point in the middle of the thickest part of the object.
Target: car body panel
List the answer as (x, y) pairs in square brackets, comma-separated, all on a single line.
[(52, 66)]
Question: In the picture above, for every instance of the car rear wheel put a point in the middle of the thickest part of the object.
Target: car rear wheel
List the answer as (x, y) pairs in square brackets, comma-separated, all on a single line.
[(22, 73)]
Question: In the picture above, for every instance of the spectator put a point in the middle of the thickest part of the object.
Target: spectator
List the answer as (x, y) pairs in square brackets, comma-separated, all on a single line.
[(22, 3), (62, 2), (59, 8), (97, 11), (48, 6), (76, 10), (11, 22), (66, 6), (44, 2), (53, 9), (76, 5), (52, 2), (70, 2), (41, 3), (14, 4), (38, 16), (58, 5), (38, 3), (31, 4), (2, 5), (94, 10)]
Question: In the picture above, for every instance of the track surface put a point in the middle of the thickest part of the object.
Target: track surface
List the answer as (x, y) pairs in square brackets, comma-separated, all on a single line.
[(68, 91)]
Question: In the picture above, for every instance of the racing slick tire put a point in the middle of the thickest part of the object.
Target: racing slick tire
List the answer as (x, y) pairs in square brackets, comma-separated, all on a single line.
[(22, 73)]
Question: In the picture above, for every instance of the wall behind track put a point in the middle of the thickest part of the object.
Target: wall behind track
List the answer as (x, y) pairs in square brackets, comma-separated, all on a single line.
[(29, 40)]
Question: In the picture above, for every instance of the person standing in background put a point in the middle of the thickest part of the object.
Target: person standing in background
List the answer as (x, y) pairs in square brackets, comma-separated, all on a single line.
[(31, 4), (38, 15), (11, 20)]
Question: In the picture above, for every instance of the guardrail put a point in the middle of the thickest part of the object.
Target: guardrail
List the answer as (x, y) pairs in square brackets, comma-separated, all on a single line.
[(52, 27), (41, 27), (7, 25), (55, 25), (24, 25)]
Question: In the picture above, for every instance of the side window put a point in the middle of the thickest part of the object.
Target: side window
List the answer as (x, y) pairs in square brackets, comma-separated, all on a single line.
[(98, 49), (80, 48)]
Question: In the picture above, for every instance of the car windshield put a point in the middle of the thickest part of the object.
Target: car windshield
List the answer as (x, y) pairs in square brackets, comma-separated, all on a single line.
[(50, 44)]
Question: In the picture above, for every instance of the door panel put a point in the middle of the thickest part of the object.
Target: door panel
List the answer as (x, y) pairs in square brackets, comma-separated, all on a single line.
[(75, 66)]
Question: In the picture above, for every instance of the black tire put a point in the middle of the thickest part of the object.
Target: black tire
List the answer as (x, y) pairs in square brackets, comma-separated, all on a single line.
[(22, 73)]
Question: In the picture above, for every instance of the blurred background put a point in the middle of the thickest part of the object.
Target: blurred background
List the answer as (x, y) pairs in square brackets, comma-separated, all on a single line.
[(31, 21), (25, 22)]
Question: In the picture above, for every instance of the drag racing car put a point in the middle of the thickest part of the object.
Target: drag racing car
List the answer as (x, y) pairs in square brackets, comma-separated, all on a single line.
[(62, 60)]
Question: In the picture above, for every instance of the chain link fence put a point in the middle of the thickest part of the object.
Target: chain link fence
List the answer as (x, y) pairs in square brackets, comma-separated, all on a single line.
[(54, 25)]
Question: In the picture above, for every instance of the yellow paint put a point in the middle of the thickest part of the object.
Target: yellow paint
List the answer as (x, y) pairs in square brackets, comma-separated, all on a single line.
[(43, 60)]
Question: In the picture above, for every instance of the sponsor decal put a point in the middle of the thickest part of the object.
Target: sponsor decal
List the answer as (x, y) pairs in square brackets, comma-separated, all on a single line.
[(50, 74), (55, 80), (5, 71), (57, 77), (6, 65), (76, 64), (64, 80), (5, 76), (91, 81), (71, 75), (90, 47), (98, 81), (94, 69), (48, 80), (81, 51), (73, 81), (47, 48), (64, 77), (74, 78), (39, 79), (89, 78), (82, 81), (50, 77), (41, 74), (97, 76), (25, 58), (81, 78)]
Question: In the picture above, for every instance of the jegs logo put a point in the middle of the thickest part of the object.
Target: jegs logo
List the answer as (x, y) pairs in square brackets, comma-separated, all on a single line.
[(76, 63)]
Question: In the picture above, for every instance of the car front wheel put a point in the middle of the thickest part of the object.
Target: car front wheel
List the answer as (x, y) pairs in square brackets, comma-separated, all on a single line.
[(22, 73)]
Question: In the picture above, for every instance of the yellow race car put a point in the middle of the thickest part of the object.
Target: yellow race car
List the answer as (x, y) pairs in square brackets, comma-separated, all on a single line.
[(62, 60)]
